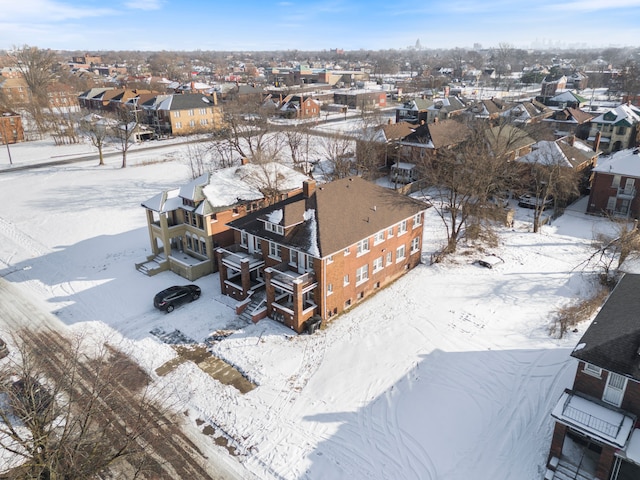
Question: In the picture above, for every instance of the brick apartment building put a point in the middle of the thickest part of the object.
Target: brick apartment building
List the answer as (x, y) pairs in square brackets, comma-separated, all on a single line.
[(318, 253)]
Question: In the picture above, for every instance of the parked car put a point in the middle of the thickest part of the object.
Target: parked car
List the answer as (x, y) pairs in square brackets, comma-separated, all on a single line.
[(530, 201), (4, 351), (170, 298), (489, 261)]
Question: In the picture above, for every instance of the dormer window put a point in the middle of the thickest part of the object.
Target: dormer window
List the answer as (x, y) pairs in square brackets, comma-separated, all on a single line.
[(272, 227)]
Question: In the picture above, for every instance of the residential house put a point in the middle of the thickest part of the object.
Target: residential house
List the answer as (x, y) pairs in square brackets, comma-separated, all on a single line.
[(314, 257), (425, 140), (188, 223), (92, 99), (383, 144), (596, 433), (616, 129), (299, 107), (577, 81), (184, 114), (15, 90), (11, 130), (527, 112), (488, 109), (445, 108), (552, 84), (414, 111), (570, 121), (613, 185), (563, 100), (508, 141)]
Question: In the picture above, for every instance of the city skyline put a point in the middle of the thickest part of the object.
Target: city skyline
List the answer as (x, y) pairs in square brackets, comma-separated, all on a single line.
[(152, 25)]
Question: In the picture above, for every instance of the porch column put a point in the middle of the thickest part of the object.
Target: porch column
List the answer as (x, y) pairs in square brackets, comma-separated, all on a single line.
[(297, 305), (223, 271), (557, 441), (605, 462), (152, 238), (164, 231), (245, 277), (269, 290)]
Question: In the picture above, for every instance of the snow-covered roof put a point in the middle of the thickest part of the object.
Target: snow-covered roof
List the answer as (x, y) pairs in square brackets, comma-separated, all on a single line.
[(624, 162), (164, 201), (231, 185), (546, 153), (621, 113)]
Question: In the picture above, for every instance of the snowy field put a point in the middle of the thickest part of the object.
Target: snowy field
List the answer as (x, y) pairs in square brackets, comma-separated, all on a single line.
[(449, 373)]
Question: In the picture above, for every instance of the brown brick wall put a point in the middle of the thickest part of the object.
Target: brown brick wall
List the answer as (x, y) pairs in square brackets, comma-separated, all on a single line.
[(557, 441), (589, 384), (601, 190)]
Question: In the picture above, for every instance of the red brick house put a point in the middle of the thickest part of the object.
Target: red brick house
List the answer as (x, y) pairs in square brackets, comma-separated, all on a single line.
[(11, 130), (614, 185), (318, 253), (596, 434)]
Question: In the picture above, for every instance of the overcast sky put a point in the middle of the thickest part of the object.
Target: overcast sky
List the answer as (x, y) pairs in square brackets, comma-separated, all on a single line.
[(315, 25)]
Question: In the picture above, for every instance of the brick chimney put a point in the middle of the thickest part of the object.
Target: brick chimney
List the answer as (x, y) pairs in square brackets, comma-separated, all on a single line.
[(596, 143), (571, 140), (308, 187)]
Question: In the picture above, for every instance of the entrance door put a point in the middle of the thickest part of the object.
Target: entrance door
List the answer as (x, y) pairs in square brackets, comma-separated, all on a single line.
[(614, 391)]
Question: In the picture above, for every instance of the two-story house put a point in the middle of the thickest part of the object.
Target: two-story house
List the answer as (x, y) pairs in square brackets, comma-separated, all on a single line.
[(614, 187), (414, 111), (596, 433), (188, 223), (322, 251), (184, 114), (299, 107), (570, 121), (616, 129), (445, 108), (11, 129)]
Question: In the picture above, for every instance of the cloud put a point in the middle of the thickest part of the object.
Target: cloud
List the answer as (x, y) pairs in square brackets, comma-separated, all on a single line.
[(144, 4), (48, 10)]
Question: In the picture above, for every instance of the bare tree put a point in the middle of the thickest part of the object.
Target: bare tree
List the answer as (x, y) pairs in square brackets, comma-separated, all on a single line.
[(98, 129), (247, 129), (340, 157), (37, 68), (74, 409), (464, 183), (126, 130), (548, 180), (298, 140)]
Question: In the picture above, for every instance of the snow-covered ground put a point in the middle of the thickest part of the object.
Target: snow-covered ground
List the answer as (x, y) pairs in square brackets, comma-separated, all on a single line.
[(449, 373)]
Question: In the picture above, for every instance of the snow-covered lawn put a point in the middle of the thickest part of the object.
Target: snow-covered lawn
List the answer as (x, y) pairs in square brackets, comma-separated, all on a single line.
[(449, 373)]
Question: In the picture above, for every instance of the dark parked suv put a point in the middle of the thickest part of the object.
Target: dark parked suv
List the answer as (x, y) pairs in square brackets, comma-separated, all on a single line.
[(170, 298)]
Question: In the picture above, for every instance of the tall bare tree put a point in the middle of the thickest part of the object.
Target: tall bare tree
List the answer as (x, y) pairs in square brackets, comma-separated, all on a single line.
[(98, 129), (339, 154), (74, 409), (37, 67)]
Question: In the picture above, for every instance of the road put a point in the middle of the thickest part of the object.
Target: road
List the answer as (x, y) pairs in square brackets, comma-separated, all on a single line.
[(177, 456)]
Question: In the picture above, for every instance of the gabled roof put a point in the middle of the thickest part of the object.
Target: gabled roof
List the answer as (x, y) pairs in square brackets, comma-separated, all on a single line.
[(396, 131), (440, 134), (568, 96), (507, 138), (625, 162), (321, 224), (559, 152), (624, 115), (448, 104), (185, 101), (612, 340)]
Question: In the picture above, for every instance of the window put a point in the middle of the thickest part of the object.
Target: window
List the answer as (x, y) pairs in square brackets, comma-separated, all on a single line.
[(346, 280), (360, 295), (378, 238), (178, 124), (203, 246), (592, 370), (363, 246), (377, 264), (329, 288), (192, 123), (347, 304), (330, 259), (275, 250), (191, 112), (402, 228), (400, 252), (417, 220), (309, 262), (176, 114), (293, 257), (272, 227), (389, 258), (243, 238), (203, 121), (362, 274), (390, 232), (616, 181), (347, 251), (622, 130), (415, 245), (614, 391), (203, 111)]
